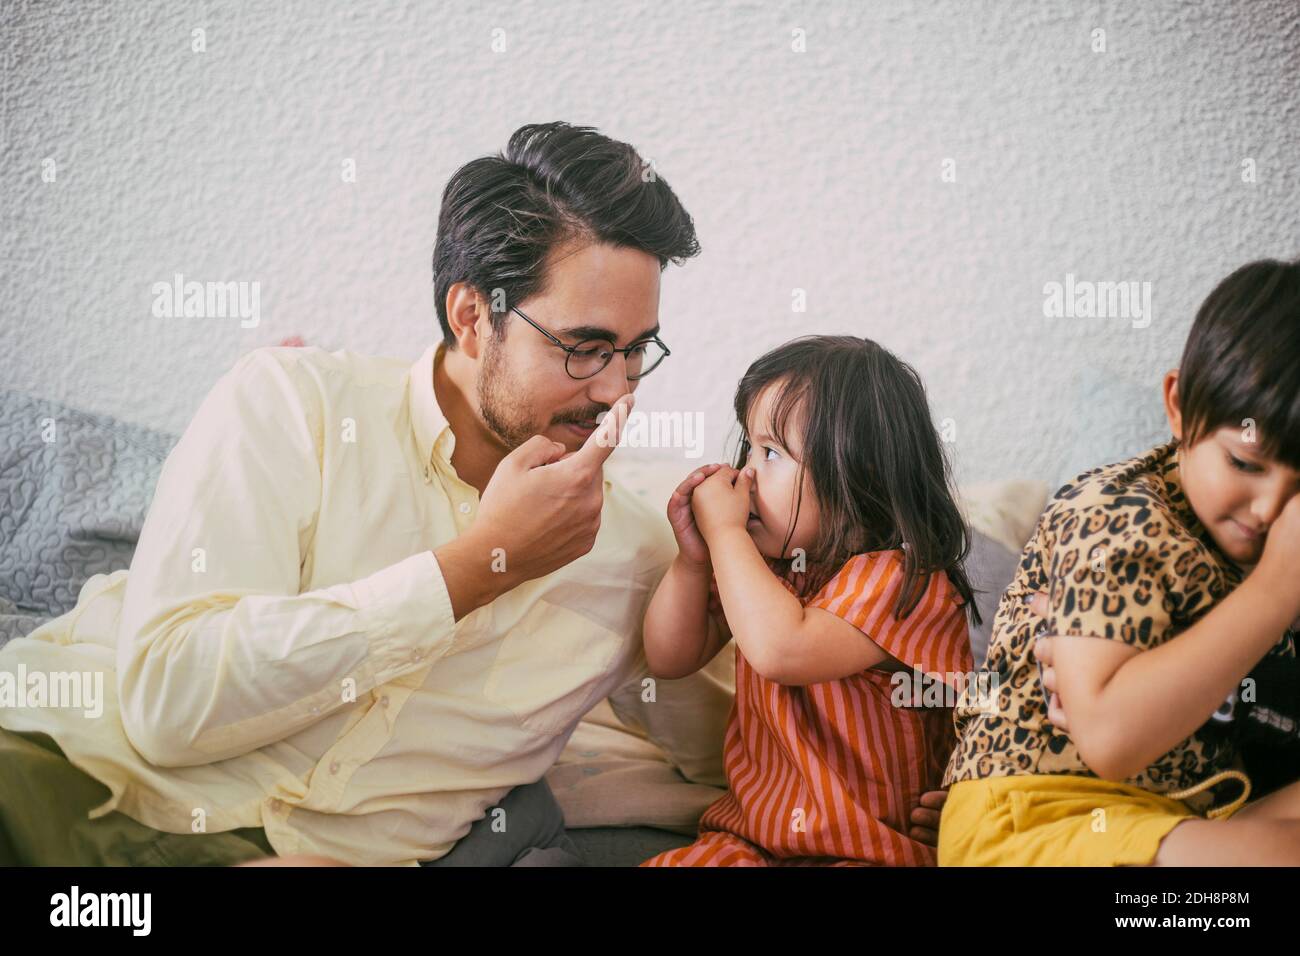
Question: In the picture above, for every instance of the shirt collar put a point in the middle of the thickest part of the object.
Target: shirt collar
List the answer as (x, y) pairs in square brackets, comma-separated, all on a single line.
[(1167, 468), (432, 433)]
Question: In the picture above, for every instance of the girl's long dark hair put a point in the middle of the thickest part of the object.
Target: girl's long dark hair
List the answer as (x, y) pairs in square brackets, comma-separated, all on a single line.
[(878, 468)]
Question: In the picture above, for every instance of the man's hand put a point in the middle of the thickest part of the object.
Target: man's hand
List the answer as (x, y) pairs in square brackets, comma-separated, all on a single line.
[(690, 543), (544, 512), (540, 511), (722, 501)]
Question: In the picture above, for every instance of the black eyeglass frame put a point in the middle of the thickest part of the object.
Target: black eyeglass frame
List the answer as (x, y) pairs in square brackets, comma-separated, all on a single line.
[(571, 350)]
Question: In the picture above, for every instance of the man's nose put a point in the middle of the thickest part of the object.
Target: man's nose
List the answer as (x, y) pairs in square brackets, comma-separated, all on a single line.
[(611, 383)]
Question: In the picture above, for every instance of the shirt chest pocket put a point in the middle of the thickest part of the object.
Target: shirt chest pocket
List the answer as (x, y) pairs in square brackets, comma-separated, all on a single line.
[(551, 667)]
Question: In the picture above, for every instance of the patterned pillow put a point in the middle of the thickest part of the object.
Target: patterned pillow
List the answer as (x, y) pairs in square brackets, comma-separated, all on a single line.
[(74, 491)]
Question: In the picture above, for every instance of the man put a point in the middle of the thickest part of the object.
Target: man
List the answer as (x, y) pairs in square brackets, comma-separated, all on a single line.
[(370, 602)]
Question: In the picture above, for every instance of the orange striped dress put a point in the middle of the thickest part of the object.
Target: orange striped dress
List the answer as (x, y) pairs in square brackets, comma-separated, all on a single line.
[(827, 774)]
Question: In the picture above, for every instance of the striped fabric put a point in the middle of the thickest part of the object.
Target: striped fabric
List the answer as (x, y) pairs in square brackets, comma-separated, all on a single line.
[(827, 774)]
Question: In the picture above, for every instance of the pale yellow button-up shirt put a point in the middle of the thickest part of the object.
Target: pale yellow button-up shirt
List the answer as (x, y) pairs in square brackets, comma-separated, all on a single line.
[(282, 652)]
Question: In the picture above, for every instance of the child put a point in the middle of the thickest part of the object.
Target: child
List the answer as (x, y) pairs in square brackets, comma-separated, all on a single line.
[(837, 559), (1110, 756)]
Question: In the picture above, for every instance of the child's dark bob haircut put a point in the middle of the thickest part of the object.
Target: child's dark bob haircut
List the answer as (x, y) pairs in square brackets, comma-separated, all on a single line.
[(878, 470), (1242, 360)]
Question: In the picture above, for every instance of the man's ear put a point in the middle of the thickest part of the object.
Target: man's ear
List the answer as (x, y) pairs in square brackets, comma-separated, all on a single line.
[(468, 318), (1173, 410)]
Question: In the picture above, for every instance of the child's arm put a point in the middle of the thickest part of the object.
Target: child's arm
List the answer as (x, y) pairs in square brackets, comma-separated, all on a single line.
[(680, 636), (1127, 707), (781, 639)]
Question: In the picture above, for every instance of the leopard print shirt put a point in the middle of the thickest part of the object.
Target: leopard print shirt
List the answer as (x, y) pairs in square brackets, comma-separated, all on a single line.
[(1123, 556)]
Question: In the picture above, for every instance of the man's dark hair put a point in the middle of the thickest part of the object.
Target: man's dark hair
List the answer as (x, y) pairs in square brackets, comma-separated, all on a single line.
[(501, 215), (1242, 359)]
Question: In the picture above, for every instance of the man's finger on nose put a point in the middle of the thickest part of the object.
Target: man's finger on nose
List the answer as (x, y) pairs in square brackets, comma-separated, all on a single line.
[(600, 444)]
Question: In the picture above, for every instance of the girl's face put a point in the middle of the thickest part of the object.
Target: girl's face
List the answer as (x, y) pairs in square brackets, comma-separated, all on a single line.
[(774, 490)]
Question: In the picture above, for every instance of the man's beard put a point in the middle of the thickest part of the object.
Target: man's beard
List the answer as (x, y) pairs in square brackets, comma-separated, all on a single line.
[(506, 413), (505, 416)]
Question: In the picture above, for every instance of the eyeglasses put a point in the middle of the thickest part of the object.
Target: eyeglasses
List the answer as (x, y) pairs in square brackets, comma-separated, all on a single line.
[(590, 356)]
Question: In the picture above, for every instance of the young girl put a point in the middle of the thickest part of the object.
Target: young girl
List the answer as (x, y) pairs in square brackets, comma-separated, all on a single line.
[(834, 557)]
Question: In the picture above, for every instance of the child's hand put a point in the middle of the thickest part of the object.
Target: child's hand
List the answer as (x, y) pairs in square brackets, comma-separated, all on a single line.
[(1281, 558), (925, 817), (722, 501), (1042, 653), (690, 543)]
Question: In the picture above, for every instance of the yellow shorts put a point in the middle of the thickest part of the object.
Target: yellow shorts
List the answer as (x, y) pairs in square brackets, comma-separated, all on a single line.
[(1055, 820)]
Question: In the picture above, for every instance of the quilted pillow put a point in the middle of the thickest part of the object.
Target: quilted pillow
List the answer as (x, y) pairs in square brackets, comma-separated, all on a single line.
[(74, 491)]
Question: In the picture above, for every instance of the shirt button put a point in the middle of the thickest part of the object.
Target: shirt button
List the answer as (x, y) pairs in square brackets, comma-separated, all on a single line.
[(426, 473), (276, 805), (334, 766), (383, 701), (464, 507)]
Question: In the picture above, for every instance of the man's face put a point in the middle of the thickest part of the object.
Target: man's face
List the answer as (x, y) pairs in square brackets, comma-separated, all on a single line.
[(1236, 491), (593, 291)]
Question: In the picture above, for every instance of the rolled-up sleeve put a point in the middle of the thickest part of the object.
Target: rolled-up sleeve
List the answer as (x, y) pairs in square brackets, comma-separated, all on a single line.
[(218, 653)]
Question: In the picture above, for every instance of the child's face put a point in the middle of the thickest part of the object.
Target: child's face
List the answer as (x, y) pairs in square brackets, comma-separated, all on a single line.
[(776, 480), (1236, 491)]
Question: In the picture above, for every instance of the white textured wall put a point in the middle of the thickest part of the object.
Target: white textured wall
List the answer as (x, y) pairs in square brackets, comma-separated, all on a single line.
[(818, 170)]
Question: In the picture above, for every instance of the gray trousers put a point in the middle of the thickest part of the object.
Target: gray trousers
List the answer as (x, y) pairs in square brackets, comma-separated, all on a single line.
[(533, 835)]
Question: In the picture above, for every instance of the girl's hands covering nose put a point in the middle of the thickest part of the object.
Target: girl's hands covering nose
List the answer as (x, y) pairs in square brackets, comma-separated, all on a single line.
[(722, 501), (690, 543)]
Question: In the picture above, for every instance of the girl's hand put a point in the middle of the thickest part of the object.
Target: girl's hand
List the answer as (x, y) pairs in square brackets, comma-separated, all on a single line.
[(925, 817), (690, 543), (722, 501)]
